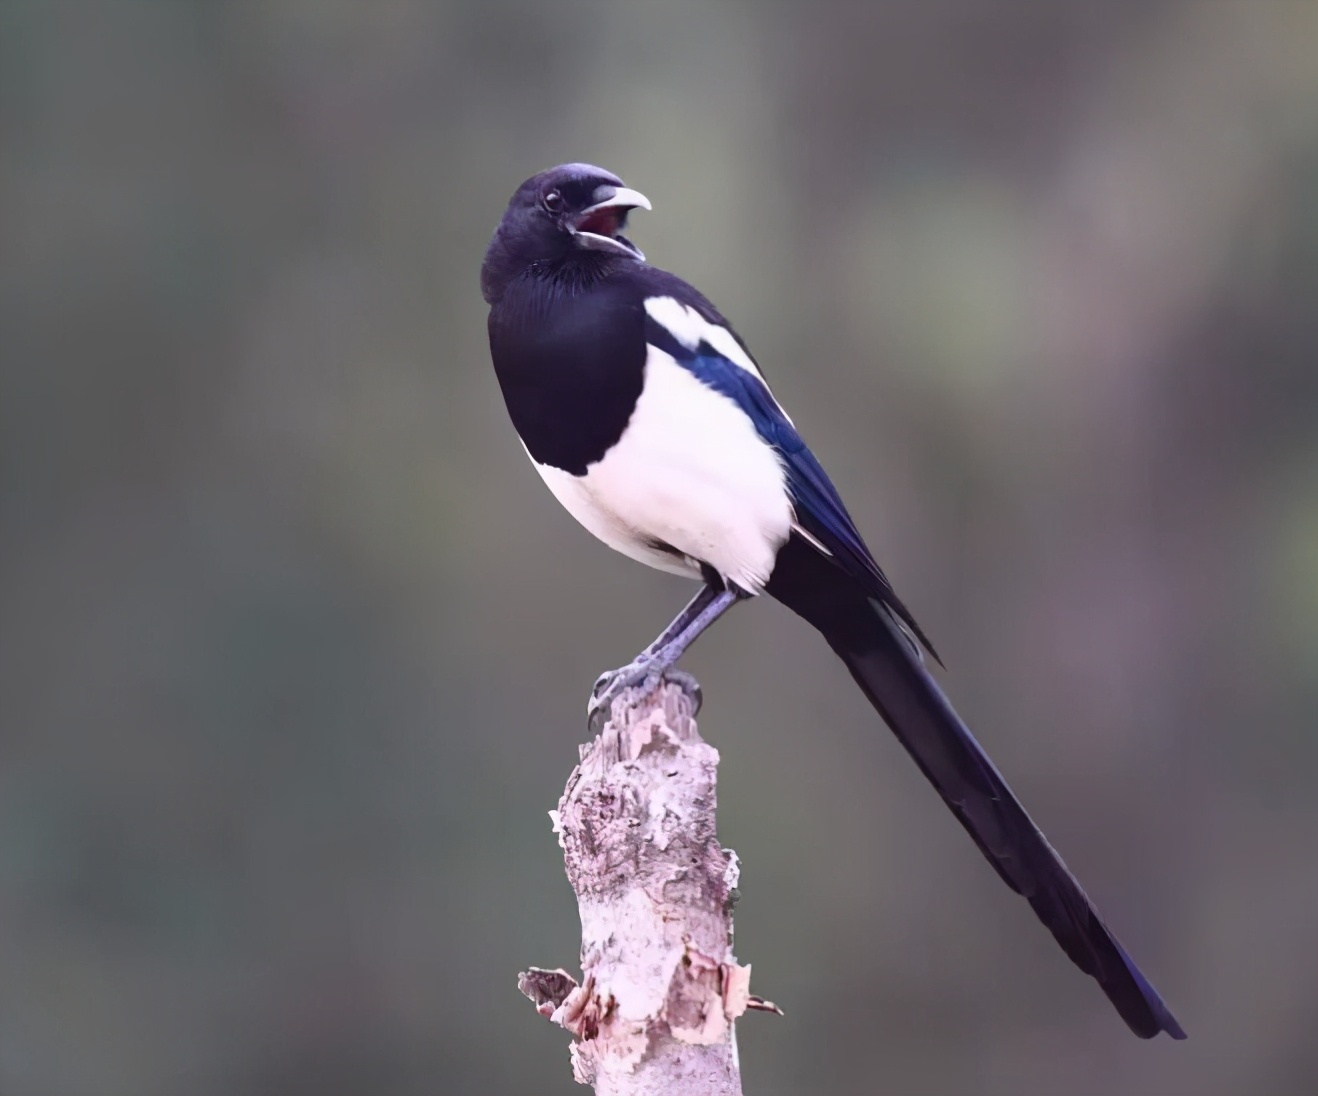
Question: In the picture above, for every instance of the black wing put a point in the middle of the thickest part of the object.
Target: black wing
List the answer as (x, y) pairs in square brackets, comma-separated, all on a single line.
[(819, 508)]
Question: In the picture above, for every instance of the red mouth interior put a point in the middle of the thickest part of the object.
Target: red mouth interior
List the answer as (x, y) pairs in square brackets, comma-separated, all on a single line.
[(603, 222)]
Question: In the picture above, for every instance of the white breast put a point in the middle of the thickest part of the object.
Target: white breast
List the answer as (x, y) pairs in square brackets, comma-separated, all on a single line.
[(689, 471)]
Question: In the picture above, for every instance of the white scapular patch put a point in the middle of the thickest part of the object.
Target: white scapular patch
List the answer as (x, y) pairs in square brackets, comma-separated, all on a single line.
[(690, 328), (689, 471)]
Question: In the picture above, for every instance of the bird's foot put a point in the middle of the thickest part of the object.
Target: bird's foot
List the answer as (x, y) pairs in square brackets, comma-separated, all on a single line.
[(611, 684), (689, 685), (642, 672)]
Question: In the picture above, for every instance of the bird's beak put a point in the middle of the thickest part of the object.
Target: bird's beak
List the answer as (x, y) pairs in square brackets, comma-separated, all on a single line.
[(598, 227)]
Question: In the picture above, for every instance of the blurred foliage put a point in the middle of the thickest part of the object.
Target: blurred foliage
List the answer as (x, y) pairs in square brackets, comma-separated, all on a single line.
[(293, 656)]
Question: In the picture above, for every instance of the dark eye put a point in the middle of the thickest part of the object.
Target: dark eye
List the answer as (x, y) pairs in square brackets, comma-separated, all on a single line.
[(553, 201)]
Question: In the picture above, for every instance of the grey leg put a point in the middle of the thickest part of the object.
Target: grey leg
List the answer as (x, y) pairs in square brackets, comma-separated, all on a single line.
[(705, 608), (693, 609)]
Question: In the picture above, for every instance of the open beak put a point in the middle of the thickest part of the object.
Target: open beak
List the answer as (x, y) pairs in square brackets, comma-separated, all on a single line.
[(599, 226)]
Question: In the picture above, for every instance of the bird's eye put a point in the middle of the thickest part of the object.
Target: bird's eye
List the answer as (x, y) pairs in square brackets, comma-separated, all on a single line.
[(553, 201)]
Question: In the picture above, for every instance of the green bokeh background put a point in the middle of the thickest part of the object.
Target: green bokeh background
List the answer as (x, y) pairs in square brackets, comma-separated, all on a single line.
[(295, 647)]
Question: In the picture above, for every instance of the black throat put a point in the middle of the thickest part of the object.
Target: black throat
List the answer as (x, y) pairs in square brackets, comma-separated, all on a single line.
[(567, 337)]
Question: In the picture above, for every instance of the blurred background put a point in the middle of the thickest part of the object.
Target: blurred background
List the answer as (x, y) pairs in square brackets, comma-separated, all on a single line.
[(296, 647)]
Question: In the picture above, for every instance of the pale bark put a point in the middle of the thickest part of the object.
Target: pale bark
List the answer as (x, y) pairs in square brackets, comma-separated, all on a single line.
[(660, 987)]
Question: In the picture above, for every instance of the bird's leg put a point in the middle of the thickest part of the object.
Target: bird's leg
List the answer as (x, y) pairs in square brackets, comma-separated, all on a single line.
[(694, 607), (705, 608)]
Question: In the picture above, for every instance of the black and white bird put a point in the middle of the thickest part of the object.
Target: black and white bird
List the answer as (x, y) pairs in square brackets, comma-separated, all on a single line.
[(652, 424)]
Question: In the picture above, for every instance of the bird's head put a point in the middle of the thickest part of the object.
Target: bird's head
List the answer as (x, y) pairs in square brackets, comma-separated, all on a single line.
[(568, 208)]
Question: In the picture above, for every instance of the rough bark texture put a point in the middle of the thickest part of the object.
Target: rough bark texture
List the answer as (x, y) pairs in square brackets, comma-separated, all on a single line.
[(660, 986)]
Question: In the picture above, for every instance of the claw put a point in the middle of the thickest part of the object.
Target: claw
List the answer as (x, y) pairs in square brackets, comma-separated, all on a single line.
[(609, 686), (689, 685), (602, 682), (640, 673)]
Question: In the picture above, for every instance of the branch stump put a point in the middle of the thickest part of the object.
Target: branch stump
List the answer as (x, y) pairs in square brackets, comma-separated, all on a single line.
[(660, 990)]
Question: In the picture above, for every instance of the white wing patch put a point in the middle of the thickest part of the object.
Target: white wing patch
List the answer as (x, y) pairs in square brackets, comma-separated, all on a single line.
[(690, 328)]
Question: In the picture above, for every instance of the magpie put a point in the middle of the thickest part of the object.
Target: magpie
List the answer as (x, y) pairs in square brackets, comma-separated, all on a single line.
[(650, 421)]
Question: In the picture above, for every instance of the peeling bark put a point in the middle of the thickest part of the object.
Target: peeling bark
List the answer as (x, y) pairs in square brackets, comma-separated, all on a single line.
[(660, 987)]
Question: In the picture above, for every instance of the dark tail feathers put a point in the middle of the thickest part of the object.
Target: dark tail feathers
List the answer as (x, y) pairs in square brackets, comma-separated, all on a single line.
[(884, 663)]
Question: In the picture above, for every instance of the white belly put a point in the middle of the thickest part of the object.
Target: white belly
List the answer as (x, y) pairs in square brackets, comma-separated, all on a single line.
[(691, 472)]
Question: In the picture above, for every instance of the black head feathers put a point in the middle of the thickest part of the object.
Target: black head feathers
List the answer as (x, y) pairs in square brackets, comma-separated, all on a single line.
[(555, 214)]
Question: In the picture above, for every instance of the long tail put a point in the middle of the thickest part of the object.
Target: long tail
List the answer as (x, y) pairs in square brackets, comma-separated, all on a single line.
[(886, 667)]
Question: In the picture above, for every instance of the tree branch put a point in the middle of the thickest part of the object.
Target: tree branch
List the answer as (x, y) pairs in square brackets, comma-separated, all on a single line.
[(660, 986)]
